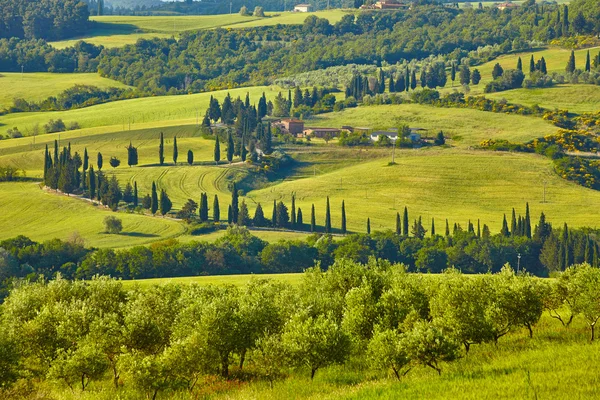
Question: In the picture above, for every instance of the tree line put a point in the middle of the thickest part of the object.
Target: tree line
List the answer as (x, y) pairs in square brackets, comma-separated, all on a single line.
[(169, 338)]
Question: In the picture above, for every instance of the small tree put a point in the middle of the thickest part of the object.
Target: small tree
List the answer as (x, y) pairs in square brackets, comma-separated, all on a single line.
[(571, 64), (476, 77), (165, 203), (387, 349), (113, 225), (190, 157), (440, 140), (132, 155), (243, 215), (259, 12), (115, 162), (498, 71), (244, 11)]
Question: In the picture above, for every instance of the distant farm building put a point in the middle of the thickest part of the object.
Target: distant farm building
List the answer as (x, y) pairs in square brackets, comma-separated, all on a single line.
[(292, 125), (302, 8), (387, 5), (322, 132), (507, 6), (376, 136)]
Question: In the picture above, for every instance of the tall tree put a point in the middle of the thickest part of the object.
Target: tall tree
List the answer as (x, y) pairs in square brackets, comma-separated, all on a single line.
[(217, 153), (531, 65), (190, 157), (86, 159), (327, 217), (398, 224), (92, 183), (259, 216), (453, 73), (343, 217), (588, 64), (165, 203), (504, 231), (368, 226), (229, 215), (161, 149), (154, 203), (392, 85), (571, 64), (230, 150), (274, 214), (203, 209), (299, 219), (313, 219), (447, 228), (234, 202), (527, 221), (99, 162), (135, 194), (432, 227), (293, 212), (175, 151), (405, 222), (216, 209), (520, 64), (132, 155)]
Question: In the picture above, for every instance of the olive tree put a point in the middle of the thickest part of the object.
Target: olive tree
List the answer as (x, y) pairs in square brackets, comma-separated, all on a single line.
[(585, 286), (387, 349), (315, 342)]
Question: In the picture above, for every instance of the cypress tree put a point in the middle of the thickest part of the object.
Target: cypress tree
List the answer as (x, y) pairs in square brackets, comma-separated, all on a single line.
[(343, 217), (571, 64), (92, 183), (161, 150), (565, 27), (520, 64), (478, 229), (175, 151), (531, 65), (259, 216), (56, 154), (99, 161), (413, 80), (46, 155), (154, 203), (243, 215), (313, 220), (86, 159), (447, 228), (392, 85), (216, 209), (504, 231), (234, 203), (527, 221), (299, 219), (407, 80), (293, 212), (132, 155), (203, 209), (453, 73), (588, 64), (368, 226), (405, 222), (400, 84), (513, 224), (381, 81), (230, 150), (432, 227), (274, 215), (398, 226), (190, 157), (217, 153), (327, 217), (543, 68), (135, 194), (229, 215)]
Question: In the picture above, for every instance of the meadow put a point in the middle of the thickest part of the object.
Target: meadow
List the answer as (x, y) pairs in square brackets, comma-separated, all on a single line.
[(43, 215), (117, 31), (41, 85)]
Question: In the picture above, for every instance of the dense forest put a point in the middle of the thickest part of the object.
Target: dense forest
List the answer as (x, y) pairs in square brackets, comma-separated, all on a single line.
[(43, 19)]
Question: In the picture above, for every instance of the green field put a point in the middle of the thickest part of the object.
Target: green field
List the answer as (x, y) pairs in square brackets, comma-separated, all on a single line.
[(237, 280), (575, 98), (28, 210), (116, 31), (41, 85), (141, 113)]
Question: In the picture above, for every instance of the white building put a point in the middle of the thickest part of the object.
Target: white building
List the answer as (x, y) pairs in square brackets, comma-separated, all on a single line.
[(302, 8)]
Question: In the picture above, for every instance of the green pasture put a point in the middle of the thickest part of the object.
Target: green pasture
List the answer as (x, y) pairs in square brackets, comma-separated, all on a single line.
[(41, 85), (28, 210), (466, 127), (237, 280), (440, 183), (575, 98), (117, 31), (136, 113)]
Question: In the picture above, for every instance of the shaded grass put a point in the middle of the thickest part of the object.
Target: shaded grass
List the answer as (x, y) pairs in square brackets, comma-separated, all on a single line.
[(41, 85), (28, 210)]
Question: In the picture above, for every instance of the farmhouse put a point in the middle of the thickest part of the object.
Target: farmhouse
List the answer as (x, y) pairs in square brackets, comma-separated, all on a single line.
[(387, 5), (321, 132), (292, 125), (507, 6), (302, 8), (392, 135)]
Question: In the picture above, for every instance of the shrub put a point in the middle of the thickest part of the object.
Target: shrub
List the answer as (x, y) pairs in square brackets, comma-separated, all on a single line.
[(55, 126), (113, 225)]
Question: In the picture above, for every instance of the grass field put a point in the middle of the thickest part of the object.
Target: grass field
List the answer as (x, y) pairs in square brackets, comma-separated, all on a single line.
[(575, 98), (28, 210), (143, 112), (116, 31), (237, 280), (41, 85)]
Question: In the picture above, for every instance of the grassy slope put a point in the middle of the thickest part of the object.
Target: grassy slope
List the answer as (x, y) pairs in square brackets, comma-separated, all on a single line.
[(116, 31), (27, 210), (237, 280), (143, 112), (454, 184), (575, 98), (39, 86)]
